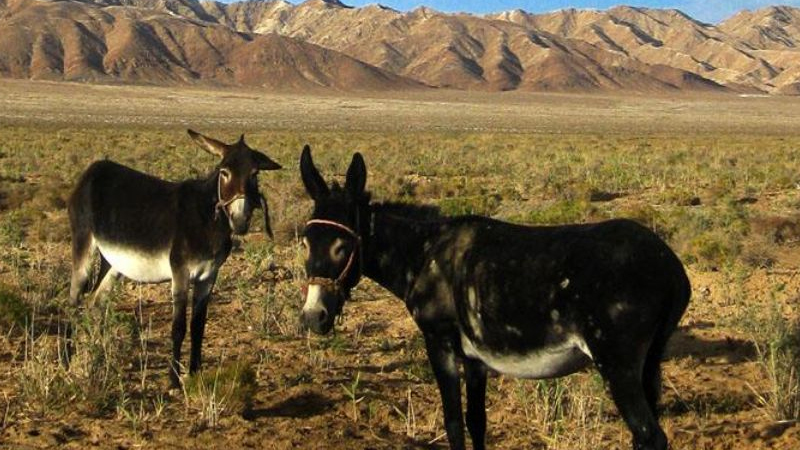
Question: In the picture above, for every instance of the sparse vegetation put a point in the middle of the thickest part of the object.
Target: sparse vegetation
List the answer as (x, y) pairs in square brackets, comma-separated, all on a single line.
[(553, 407), (724, 198), (777, 343)]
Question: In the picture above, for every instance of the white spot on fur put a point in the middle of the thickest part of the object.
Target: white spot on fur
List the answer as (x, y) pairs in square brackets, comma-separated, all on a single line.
[(555, 360), (451, 367), (616, 309), (554, 315), (564, 283), (313, 299), (598, 333), (385, 260), (513, 330), (473, 313), (137, 265), (203, 270)]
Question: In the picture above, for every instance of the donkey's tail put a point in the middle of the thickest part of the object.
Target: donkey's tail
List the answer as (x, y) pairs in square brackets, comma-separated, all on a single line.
[(673, 311)]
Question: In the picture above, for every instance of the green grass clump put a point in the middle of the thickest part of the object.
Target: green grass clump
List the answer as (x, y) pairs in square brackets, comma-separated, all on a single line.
[(561, 212), (223, 391), (14, 311)]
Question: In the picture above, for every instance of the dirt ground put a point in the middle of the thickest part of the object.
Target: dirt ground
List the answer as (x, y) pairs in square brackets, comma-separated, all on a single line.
[(368, 386)]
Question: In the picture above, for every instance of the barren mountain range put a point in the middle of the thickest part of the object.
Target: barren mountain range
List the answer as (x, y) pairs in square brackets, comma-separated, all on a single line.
[(324, 43)]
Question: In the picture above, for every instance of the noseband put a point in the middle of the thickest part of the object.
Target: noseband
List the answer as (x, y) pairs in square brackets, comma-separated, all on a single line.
[(223, 204), (330, 283)]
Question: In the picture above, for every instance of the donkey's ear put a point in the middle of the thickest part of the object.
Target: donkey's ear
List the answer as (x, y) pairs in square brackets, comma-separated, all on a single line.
[(313, 181), (212, 146), (356, 176), (264, 162)]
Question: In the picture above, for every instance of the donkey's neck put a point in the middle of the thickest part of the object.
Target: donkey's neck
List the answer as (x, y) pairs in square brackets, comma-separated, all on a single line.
[(394, 253), (207, 193)]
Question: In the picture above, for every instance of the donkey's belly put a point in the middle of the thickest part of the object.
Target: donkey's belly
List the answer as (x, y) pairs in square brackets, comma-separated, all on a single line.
[(137, 265), (555, 360)]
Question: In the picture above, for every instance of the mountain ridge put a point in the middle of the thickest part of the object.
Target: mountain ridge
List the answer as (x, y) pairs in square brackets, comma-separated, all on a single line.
[(326, 43)]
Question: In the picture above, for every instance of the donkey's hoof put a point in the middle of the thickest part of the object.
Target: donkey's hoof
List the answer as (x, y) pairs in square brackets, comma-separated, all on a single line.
[(657, 442)]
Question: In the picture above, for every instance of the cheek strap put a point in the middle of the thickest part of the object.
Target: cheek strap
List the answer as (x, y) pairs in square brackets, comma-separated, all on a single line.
[(223, 204), (335, 285)]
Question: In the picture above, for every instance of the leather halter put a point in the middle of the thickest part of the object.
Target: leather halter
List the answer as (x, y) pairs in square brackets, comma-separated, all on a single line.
[(223, 204), (331, 283)]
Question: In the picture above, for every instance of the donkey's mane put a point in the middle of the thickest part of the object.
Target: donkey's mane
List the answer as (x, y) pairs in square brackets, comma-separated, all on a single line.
[(422, 213)]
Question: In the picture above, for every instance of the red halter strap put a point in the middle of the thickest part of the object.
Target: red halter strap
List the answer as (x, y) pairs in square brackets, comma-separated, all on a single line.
[(336, 284)]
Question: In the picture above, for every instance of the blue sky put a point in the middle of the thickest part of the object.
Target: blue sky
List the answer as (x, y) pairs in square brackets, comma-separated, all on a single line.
[(705, 10)]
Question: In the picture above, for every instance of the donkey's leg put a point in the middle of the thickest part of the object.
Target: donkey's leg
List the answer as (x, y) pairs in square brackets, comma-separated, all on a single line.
[(651, 375), (105, 284), (200, 298), (83, 248), (105, 266), (624, 377), (475, 373), (443, 363), (180, 295)]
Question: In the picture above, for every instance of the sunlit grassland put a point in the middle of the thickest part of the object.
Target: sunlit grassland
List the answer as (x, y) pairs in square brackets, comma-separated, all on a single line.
[(700, 192), (726, 202)]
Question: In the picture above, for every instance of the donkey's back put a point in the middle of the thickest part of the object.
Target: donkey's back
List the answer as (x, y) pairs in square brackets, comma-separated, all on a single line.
[(523, 280), (129, 216), (115, 203)]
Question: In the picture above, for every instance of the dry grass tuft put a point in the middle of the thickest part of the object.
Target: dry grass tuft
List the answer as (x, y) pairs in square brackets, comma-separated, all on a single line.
[(226, 390)]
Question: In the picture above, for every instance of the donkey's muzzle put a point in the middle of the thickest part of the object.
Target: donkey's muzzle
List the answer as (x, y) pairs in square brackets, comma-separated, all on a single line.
[(319, 310), (317, 321), (239, 213)]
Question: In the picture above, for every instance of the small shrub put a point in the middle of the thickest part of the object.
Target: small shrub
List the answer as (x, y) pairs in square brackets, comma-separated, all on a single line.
[(103, 343), (777, 342), (712, 250), (14, 312), (778, 230), (12, 228), (652, 218), (485, 205), (561, 212), (758, 252), (226, 390), (44, 384), (566, 412)]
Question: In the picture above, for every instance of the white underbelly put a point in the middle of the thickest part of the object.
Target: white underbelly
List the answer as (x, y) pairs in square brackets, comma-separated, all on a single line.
[(556, 360), (137, 265)]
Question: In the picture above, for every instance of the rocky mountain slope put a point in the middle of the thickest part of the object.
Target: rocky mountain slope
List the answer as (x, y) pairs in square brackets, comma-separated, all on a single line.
[(277, 44), (84, 41)]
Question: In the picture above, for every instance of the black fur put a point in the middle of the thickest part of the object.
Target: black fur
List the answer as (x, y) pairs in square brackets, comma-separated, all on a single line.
[(512, 290)]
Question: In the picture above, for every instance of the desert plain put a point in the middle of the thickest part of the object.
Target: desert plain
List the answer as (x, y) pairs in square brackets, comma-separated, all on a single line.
[(716, 175)]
